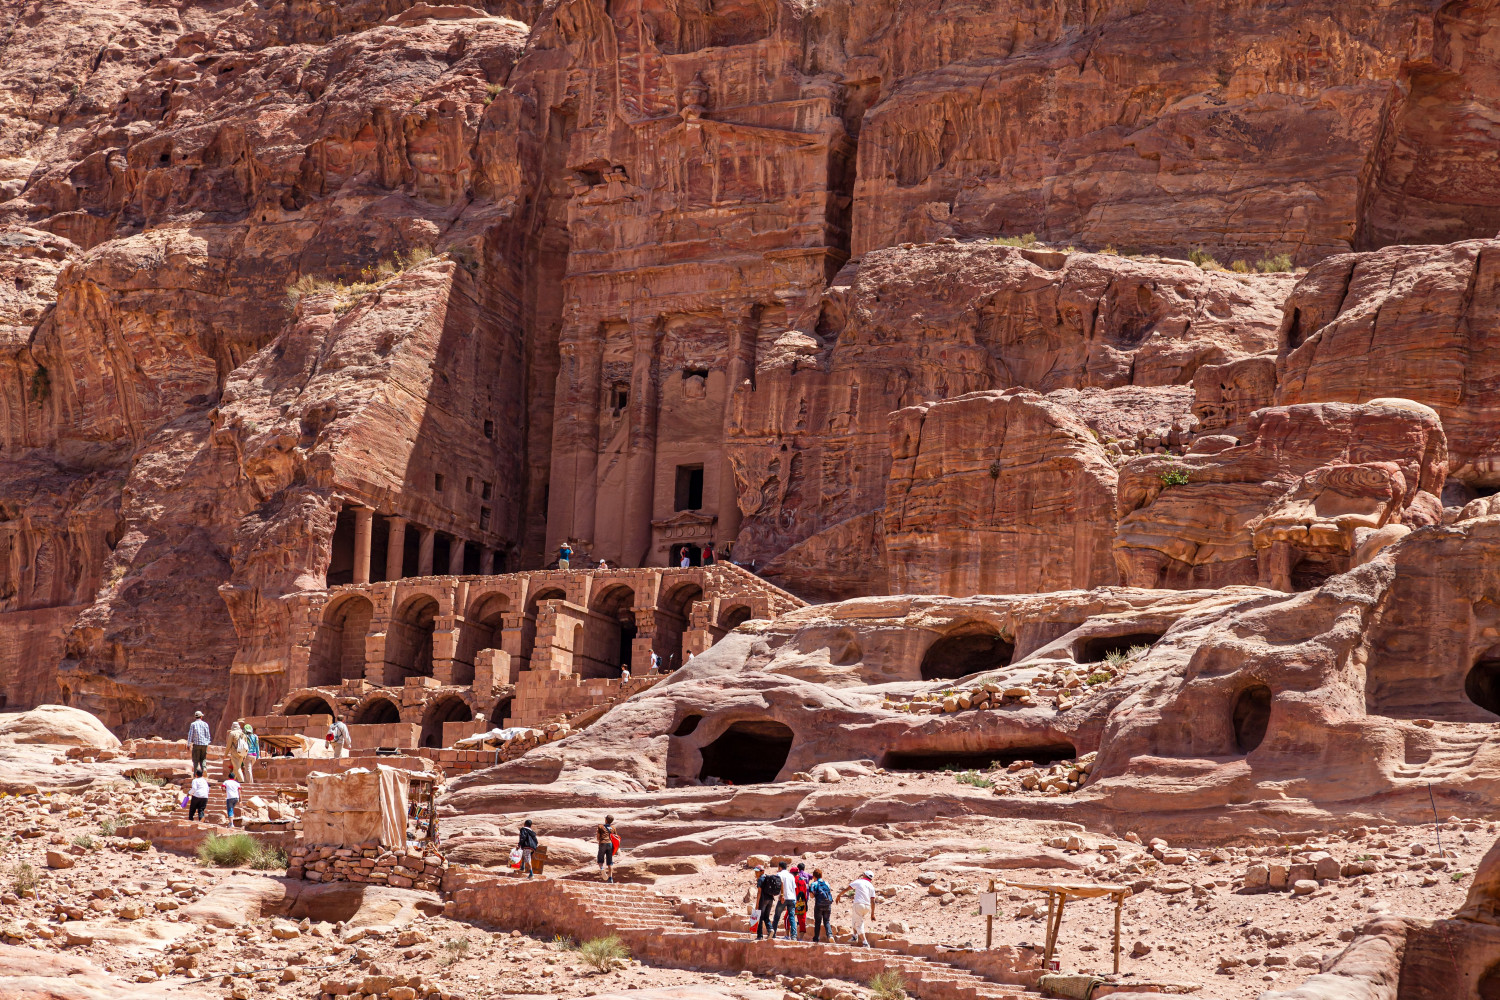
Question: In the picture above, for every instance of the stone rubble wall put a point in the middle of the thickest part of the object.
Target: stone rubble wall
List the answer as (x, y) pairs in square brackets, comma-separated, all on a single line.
[(417, 867)]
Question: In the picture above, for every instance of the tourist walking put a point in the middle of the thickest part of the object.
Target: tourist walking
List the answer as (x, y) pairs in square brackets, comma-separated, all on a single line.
[(252, 753), (339, 739), (528, 844), (708, 554), (787, 903), (821, 894), (564, 555), (655, 663), (800, 873), (198, 739), (197, 797), (234, 749), (686, 562), (863, 909), (768, 889), (608, 842), (231, 798)]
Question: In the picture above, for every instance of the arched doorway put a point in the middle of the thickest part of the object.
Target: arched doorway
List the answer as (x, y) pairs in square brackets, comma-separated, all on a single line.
[(733, 617), (377, 712), (1252, 715), (449, 709), (693, 552), (408, 640), (748, 752), (970, 650), (338, 650), (609, 639), (674, 613), (528, 623), (1111, 647), (310, 705), (1482, 684), (483, 628)]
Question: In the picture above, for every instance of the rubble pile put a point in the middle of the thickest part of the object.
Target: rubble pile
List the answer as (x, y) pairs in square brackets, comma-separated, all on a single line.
[(418, 866)]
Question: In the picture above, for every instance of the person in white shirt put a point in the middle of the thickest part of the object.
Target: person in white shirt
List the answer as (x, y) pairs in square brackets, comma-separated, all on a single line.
[(787, 903), (624, 675), (863, 889), (231, 798), (339, 739), (197, 797)]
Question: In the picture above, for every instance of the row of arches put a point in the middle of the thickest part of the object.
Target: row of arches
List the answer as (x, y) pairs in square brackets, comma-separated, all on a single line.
[(380, 709), (601, 642)]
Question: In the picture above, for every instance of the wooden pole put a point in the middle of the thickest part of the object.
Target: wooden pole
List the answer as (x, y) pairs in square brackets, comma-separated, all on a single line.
[(989, 922), (1047, 949), (1062, 900), (1119, 902)]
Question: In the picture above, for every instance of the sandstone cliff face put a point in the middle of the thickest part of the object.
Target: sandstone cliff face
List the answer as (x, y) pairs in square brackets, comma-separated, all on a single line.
[(680, 294), (908, 326)]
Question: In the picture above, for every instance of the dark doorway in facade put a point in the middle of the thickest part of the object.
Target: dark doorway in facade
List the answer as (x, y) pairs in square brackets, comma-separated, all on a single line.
[(379, 712), (964, 654), (1482, 685), (688, 725), (747, 753), (689, 492), (1252, 714), (1100, 649), (734, 618), (1311, 572), (310, 706), (693, 552), (341, 565), (448, 710)]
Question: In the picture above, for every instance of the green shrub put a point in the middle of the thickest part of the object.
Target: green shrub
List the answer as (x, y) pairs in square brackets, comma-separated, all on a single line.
[(1098, 678), (348, 294), (1204, 259), (1015, 241), (888, 985), (973, 778), (84, 841), (603, 954), (239, 850), (1175, 476), (1137, 650), (24, 879), (107, 827), (1270, 265), (154, 780), (455, 950), (1240, 267), (564, 943)]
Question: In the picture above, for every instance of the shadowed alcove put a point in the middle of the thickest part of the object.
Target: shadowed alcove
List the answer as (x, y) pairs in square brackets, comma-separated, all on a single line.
[(747, 753), (968, 652), (1252, 714)]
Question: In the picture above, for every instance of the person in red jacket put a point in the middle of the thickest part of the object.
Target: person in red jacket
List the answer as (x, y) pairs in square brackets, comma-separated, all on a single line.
[(802, 883)]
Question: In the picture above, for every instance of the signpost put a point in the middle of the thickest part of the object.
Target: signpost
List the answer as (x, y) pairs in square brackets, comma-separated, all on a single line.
[(988, 904)]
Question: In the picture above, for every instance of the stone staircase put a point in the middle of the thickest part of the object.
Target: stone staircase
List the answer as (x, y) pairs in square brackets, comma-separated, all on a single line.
[(1456, 752), (655, 932)]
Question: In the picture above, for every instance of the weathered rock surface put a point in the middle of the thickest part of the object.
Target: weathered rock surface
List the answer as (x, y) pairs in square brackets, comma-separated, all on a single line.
[(56, 724)]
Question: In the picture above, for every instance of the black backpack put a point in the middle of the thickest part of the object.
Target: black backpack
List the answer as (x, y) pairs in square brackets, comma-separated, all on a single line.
[(770, 885)]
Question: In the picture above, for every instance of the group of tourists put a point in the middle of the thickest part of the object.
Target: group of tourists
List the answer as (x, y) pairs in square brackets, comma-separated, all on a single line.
[(605, 838), (790, 889), (683, 555), (242, 749)]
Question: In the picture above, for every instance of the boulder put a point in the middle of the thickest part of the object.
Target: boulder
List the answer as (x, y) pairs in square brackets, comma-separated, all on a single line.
[(57, 724)]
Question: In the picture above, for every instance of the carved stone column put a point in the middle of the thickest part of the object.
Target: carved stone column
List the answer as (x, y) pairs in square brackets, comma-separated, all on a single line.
[(744, 326), (363, 522), (486, 560), (455, 555), (395, 548), (640, 464), (426, 537)]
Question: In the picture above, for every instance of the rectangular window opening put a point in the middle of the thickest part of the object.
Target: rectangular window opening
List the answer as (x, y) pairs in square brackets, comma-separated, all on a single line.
[(489, 428), (486, 489), (437, 481), (689, 487), (469, 485), (484, 518)]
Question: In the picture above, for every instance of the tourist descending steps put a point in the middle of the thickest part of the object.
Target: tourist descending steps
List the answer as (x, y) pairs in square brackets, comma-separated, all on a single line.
[(609, 842), (787, 904), (863, 908), (199, 738), (768, 890), (235, 749), (822, 900), (252, 753), (528, 844)]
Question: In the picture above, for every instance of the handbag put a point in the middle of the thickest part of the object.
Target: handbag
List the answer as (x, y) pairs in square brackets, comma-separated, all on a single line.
[(614, 842), (184, 803), (515, 857)]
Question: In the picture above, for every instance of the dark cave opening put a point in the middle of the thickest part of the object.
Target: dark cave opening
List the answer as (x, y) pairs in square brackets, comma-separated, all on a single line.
[(688, 725), (1482, 685), (378, 713), (1311, 572), (1098, 650), (1252, 714), (955, 656), (975, 760), (747, 753)]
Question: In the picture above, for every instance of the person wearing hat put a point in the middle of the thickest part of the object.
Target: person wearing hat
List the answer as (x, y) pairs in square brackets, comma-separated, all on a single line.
[(234, 751), (768, 888), (252, 751), (198, 739), (863, 889)]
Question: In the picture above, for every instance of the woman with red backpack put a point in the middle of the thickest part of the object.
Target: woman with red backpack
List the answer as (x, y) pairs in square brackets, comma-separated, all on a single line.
[(609, 843)]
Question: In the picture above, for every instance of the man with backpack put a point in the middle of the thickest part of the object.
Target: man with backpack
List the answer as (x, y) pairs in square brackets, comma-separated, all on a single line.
[(822, 899), (768, 888), (527, 844), (605, 837)]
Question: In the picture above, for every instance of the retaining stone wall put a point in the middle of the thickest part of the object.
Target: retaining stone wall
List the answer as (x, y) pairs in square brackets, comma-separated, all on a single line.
[(419, 866)]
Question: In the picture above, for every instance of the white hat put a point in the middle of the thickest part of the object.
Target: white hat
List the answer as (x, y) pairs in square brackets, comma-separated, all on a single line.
[(868, 874), (197, 715)]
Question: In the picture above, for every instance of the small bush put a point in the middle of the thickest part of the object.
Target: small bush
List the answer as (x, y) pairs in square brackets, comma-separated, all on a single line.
[(973, 778), (1458, 876), (1270, 265), (1204, 259), (84, 841), (107, 827), (1240, 267), (239, 850), (1015, 241), (888, 985), (455, 950), (24, 880), (348, 294), (603, 954), (1135, 651), (564, 943), (1115, 657), (1098, 678), (1175, 476), (156, 781)]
